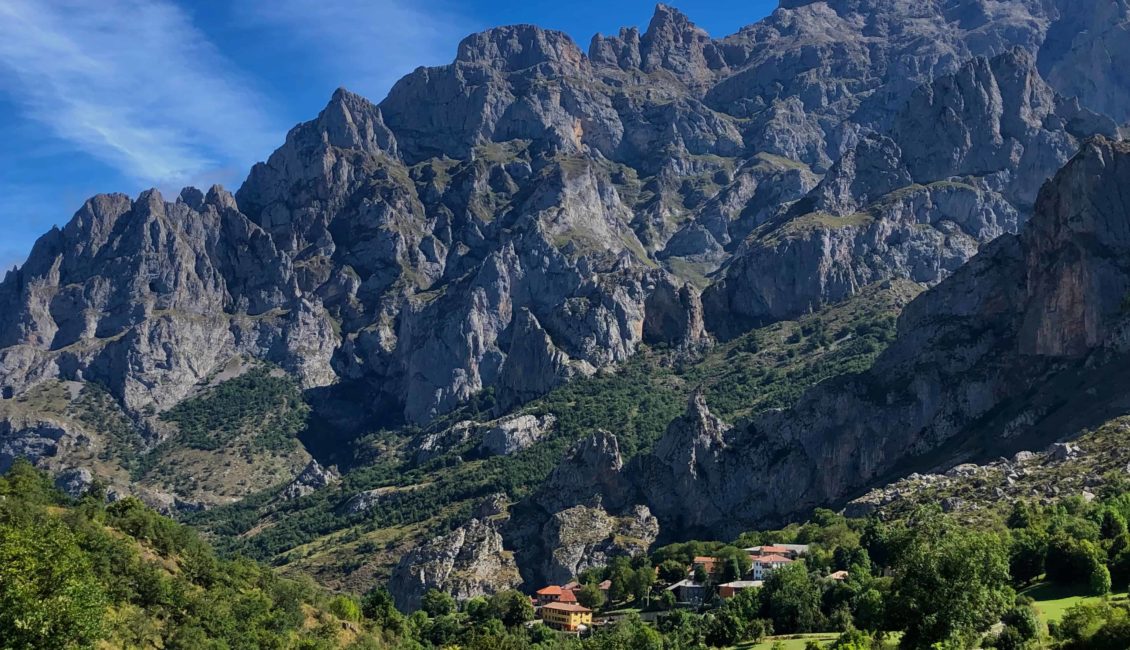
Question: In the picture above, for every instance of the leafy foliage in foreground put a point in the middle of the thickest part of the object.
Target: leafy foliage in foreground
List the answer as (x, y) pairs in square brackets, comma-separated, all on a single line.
[(74, 573)]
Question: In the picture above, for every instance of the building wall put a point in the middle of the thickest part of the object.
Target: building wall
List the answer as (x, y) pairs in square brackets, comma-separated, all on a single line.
[(567, 621)]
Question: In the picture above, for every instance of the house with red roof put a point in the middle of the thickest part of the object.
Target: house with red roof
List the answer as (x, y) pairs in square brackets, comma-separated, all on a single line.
[(707, 563), (764, 565), (550, 594)]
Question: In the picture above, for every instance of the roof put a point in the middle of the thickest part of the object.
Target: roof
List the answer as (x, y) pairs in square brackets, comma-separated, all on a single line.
[(567, 596), (566, 607), (605, 586), (685, 583), (838, 575), (799, 549), (772, 559), (743, 584), (551, 590), (571, 585)]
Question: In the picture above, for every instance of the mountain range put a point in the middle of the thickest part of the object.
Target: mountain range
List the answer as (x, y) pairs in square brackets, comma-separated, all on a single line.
[(425, 288)]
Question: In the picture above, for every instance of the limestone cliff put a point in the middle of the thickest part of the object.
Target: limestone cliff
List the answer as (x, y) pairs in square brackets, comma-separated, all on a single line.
[(1024, 343)]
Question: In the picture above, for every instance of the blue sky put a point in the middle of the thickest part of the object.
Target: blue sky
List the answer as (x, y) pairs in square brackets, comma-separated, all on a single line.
[(122, 95)]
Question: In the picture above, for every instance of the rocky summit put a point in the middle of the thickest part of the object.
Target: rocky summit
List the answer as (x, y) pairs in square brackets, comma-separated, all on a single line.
[(410, 303)]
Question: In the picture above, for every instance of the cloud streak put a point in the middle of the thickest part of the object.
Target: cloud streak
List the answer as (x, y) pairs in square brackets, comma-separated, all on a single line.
[(366, 45), (134, 84)]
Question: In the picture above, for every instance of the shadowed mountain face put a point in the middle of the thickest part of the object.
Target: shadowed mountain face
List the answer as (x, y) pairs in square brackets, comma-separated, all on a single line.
[(533, 213), (1024, 343)]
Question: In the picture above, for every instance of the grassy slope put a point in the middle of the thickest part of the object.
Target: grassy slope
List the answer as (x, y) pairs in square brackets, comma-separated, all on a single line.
[(235, 436), (1052, 601), (766, 368)]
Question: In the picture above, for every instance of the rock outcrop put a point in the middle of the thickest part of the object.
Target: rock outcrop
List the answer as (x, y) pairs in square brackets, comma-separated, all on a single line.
[(74, 482), (467, 562), (513, 434), (312, 477), (582, 516), (684, 467), (583, 537)]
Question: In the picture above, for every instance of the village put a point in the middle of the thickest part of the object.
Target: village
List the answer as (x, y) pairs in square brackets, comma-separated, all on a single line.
[(576, 609)]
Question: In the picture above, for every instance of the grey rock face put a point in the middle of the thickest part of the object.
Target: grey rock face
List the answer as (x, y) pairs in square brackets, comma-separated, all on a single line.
[(365, 501), (1085, 54), (591, 473), (673, 315), (35, 439), (148, 298), (915, 204), (513, 434), (978, 352), (584, 514), (74, 482), (534, 364), (312, 477), (467, 562), (684, 468), (435, 443), (582, 537)]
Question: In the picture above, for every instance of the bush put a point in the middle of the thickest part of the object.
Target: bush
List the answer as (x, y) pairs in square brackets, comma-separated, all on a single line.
[(436, 603), (346, 608)]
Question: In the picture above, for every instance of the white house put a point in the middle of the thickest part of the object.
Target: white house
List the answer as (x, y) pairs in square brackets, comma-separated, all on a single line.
[(763, 565)]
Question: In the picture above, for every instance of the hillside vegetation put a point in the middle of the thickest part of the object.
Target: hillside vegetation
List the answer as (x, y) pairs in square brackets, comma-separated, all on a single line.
[(765, 368), (78, 573)]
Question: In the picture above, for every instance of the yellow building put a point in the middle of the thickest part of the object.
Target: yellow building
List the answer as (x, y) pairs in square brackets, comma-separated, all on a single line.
[(566, 616)]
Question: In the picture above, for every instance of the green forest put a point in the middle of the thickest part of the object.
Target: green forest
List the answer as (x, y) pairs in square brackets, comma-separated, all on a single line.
[(120, 575)]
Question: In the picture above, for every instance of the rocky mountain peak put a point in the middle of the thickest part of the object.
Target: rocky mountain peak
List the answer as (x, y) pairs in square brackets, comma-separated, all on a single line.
[(670, 25), (518, 47), (621, 51), (590, 474), (672, 42), (350, 121), (697, 432)]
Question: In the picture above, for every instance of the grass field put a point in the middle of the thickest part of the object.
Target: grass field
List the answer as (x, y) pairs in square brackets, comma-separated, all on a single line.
[(1053, 600), (790, 642)]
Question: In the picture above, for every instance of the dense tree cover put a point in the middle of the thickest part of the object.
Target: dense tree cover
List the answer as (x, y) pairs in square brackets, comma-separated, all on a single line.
[(74, 573), (49, 594), (936, 582), (126, 576), (950, 583), (270, 405)]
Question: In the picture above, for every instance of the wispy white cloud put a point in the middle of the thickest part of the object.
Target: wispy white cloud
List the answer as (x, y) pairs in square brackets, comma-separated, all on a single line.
[(133, 83), (366, 45)]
